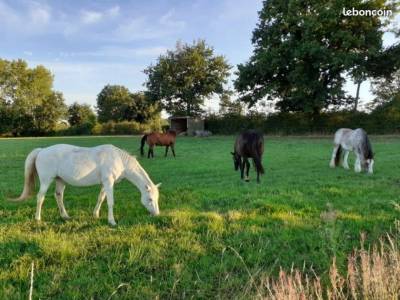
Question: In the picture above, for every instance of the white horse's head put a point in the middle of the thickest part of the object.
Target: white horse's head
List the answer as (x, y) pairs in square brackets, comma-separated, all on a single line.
[(150, 199), (370, 165)]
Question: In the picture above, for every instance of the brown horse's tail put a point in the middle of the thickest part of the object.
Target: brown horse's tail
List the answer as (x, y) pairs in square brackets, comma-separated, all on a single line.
[(144, 138), (338, 155)]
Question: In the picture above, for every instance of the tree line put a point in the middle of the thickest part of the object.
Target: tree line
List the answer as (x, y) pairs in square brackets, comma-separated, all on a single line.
[(303, 54)]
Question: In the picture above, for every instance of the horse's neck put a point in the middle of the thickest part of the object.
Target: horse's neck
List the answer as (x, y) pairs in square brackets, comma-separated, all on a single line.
[(137, 175)]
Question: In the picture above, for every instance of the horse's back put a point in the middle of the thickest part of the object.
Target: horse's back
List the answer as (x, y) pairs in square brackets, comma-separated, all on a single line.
[(161, 139), (249, 143), (342, 134), (66, 150), (77, 165)]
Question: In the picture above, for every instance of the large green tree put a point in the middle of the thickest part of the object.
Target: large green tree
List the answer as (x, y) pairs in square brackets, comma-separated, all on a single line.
[(304, 49), (112, 102), (141, 108), (229, 106), (184, 77), (386, 89), (79, 114), (28, 103), (117, 103)]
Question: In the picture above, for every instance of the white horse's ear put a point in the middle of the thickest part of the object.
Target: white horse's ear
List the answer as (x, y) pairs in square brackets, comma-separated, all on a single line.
[(148, 188), (158, 184)]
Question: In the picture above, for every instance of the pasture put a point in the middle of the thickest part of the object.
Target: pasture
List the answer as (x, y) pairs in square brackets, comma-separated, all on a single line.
[(215, 233)]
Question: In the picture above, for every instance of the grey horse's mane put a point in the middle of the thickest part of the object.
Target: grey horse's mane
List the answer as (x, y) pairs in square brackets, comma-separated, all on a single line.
[(367, 148)]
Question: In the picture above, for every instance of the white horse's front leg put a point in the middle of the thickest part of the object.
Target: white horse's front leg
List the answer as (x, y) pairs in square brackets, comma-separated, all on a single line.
[(332, 163), (59, 195), (108, 188), (345, 159), (357, 164), (40, 199), (100, 199)]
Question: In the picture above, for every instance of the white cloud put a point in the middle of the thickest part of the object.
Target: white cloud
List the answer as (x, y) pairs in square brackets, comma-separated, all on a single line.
[(146, 28), (122, 52), (82, 81), (40, 15), (238, 10), (117, 52), (31, 19), (91, 17), (169, 21), (113, 11)]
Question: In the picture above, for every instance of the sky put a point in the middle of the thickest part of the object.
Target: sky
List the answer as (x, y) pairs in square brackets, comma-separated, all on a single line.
[(88, 44)]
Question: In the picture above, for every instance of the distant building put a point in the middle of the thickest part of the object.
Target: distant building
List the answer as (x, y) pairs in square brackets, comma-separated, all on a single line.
[(186, 124)]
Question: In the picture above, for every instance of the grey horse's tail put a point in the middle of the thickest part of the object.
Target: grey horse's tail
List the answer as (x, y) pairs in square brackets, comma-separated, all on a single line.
[(367, 148), (30, 174), (338, 155)]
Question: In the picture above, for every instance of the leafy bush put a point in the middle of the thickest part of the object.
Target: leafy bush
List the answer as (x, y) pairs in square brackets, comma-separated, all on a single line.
[(79, 129), (380, 121), (126, 127), (111, 128)]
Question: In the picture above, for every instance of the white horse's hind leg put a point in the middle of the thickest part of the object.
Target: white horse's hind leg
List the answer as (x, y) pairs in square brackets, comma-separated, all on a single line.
[(59, 194), (345, 160), (100, 199), (108, 188), (332, 163), (40, 199)]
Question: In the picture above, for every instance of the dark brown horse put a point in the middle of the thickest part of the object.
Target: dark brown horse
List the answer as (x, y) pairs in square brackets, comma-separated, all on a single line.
[(158, 139), (249, 144)]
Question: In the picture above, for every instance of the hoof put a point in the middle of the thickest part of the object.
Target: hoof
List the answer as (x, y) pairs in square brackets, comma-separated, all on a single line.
[(112, 224), (66, 218)]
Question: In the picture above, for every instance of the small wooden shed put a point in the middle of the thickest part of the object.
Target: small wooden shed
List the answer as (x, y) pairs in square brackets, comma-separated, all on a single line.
[(186, 124)]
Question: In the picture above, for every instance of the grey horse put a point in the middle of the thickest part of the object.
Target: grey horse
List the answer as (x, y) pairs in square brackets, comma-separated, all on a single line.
[(357, 141)]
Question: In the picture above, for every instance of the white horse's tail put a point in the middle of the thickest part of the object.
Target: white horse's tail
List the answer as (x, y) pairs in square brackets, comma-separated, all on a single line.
[(30, 173)]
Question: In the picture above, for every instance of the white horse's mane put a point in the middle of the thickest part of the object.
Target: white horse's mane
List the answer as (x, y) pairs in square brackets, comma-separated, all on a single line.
[(132, 162)]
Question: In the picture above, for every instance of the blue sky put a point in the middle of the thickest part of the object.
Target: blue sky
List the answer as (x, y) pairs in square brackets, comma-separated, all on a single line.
[(88, 44)]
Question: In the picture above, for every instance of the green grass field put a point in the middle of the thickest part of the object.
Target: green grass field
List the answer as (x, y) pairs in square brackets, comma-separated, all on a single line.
[(214, 232)]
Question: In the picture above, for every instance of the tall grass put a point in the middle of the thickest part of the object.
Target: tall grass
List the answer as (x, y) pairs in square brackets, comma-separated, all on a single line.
[(372, 273)]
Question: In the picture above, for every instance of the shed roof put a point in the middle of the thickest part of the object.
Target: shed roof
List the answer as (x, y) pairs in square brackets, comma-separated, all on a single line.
[(180, 117)]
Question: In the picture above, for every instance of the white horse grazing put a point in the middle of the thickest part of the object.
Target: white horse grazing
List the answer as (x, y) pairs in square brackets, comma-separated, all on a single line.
[(353, 140), (79, 166)]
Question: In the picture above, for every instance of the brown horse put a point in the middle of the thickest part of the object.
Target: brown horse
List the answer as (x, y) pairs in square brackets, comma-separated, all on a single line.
[(249, 144), (158, 139)]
